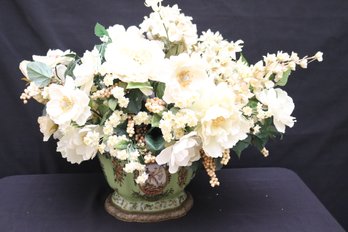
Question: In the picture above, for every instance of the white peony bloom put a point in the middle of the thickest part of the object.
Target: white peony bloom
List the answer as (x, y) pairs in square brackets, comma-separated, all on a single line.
[(280, 106), (186, 77), (54, 57), (221, 123), (85, 72), (47, 127), (66, 103), (72, 145), (133, 58), (182, 153)]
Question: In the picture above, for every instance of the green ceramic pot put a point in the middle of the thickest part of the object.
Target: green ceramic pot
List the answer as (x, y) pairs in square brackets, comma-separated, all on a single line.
[(162, 197)]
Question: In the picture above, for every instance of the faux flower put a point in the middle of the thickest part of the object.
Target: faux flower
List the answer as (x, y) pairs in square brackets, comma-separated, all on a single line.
[(280, 106), (47, 127), (85, 71), (54, 57), (160, 93), (132, 58), (186, 77), (221, 123), (181, 154), (74, 146), (67, 103)]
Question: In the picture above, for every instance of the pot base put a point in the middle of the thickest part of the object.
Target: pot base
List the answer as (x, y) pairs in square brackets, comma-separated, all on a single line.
[(152, 216)]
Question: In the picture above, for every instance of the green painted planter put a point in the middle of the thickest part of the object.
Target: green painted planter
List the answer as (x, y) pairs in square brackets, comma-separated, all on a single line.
[(162, 197)]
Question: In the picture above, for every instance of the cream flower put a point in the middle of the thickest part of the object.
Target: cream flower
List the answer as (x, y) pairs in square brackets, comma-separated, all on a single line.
[(187, 76), (66, 103), (47, 127), (221, 123), (280, 106), (23, 67), (85, 72), (154, 4), (182, 153), (54, 57), (168, 23), (133, 58), (72, 145)]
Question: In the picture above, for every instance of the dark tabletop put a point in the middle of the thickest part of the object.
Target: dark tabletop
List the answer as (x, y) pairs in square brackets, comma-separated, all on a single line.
[(253, 199)]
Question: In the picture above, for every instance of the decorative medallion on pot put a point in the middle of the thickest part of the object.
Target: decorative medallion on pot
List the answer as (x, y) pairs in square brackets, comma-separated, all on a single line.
[(156, 100)]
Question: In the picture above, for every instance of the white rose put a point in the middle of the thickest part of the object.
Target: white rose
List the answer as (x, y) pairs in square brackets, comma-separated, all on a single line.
[(280, 106), (67, 103), (72, 145), (182, 153), (47, 127)]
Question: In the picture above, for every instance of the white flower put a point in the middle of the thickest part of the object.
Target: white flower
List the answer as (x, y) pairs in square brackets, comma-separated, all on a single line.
[(141, 118), (117, 92), (67, 103), (319, 56), (154, 4), (120, 154), (132, 166), (85, 72), (187, 76), (133, 58), (47, 127), (141, 179), (222, 124), (168, 23), (72, 145), (23, 67), (54, 57), (118, 32), (182, 153), (280, 106)]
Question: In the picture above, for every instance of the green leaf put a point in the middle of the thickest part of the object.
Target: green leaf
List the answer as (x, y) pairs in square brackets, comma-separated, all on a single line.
[(100, 31), (258, 142), (284, 79), (159, 89), (139, 85), (155, 120), (39, 73), (72, 55), (154, 140), (243, 59), (252, 103), (112, 103), (101, 48), (241, 145), (121, 129), (267, 131), (70, 69), (122, 145), (105, 111), (174, 110), (136, 98)]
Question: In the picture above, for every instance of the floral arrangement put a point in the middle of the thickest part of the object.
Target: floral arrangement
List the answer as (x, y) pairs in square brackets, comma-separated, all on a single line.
[(159, 93)]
